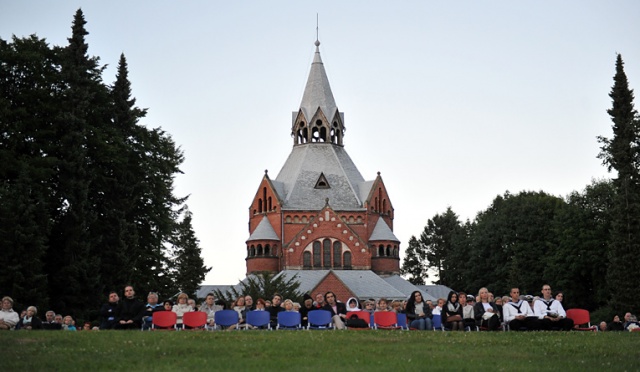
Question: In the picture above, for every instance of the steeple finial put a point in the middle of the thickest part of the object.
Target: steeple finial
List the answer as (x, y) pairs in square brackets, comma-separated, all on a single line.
[(317, 43)]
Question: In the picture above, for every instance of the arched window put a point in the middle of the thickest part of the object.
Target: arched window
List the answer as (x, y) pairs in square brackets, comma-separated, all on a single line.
[(259, 205), (270, 207), (252, 251), (337, 254), (395, 252), (347, 260), (259, 249), (388, 251), (316, 255), (267, 250), (381, 250), (326, 253), (306, 259)]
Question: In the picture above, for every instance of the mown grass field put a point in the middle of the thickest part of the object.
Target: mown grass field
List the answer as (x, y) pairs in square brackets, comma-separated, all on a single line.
[(318, 350)]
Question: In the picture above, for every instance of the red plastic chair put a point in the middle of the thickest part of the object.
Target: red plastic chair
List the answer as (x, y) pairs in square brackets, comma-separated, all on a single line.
[(580, 318), (364, 315), (385, 320), (164, 320), (194, 320)]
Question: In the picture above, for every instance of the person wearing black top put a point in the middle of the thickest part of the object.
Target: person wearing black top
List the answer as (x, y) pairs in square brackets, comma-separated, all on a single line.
[(485, 312), (418, 312), (130, 311), (452, 313), (275, 309)]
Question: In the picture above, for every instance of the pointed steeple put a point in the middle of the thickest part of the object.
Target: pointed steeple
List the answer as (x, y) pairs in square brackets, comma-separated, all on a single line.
[(318, 119)]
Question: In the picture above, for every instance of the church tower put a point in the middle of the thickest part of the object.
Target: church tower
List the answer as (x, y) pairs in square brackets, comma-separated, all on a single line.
[(319, 213)]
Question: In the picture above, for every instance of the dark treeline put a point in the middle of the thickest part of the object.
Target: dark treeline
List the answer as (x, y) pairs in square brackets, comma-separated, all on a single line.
[(86, 192), (586, 244)]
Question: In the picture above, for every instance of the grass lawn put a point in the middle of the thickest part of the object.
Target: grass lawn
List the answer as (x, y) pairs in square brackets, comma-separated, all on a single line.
[(318, 350)]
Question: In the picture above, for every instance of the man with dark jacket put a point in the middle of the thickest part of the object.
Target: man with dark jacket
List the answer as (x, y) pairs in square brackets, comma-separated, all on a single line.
[(337, 309), (151, 307), (275, 309), (130, 311), (108, 311)]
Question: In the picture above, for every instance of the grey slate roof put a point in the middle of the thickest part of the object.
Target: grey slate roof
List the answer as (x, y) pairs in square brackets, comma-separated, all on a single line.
[(299, 174), (205, 289), (436, 290), (264, 231), (317, 93), (382, 231), (363, 283), (406, 287)]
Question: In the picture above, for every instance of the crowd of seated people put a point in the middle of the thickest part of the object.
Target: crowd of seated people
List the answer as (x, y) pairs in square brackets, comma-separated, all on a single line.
[(459, 311)]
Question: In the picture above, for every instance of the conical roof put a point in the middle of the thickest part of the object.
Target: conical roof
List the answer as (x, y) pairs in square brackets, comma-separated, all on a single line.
[(264, 231), (382, 231), (317, 93)]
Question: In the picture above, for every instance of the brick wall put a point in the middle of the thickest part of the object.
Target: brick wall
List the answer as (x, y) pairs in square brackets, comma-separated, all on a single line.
[(333, 284)]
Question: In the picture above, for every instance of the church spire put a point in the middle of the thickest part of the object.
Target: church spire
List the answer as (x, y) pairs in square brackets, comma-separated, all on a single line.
[(318, 119)]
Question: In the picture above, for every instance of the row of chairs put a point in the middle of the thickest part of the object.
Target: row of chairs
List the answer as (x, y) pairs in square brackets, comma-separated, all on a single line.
[(225, 319), (317, 319)]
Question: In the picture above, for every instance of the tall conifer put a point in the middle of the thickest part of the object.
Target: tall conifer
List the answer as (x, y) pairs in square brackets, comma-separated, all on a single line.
[(621, 154)]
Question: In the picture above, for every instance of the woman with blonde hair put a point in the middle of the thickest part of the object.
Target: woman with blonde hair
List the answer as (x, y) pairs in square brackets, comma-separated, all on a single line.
[(181, 307), (30, 320), (486, 312)]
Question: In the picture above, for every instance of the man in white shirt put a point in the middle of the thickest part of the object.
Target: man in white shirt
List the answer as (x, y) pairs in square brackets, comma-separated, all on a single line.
[(518, 314), (551, 313)]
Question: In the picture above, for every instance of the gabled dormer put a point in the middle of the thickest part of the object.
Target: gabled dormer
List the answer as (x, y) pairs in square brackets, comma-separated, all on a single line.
[(266, 199), (318, 119), (378, 201)]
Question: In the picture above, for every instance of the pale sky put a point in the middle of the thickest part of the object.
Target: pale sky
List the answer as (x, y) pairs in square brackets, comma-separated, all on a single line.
[(454, 102)]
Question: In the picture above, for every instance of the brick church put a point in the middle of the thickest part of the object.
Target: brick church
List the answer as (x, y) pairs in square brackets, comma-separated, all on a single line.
[(319, 218), (319, 213)]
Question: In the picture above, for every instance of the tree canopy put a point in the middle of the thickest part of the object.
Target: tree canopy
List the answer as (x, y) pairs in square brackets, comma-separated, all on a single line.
[(87, 201), (586, 244)]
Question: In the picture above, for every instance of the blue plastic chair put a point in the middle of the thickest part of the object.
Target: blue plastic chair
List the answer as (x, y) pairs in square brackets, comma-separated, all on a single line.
[(319, 320), (289, 320), (437, 323), (226, 318), (259, 319), (402, 321)]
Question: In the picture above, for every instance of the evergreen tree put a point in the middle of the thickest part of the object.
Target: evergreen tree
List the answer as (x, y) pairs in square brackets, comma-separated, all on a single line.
[(511, 242), (29, 88), (71, 261), (189, 265), (579, 263), (621, 153), (438, 241), (414, 263), (264, 285)]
